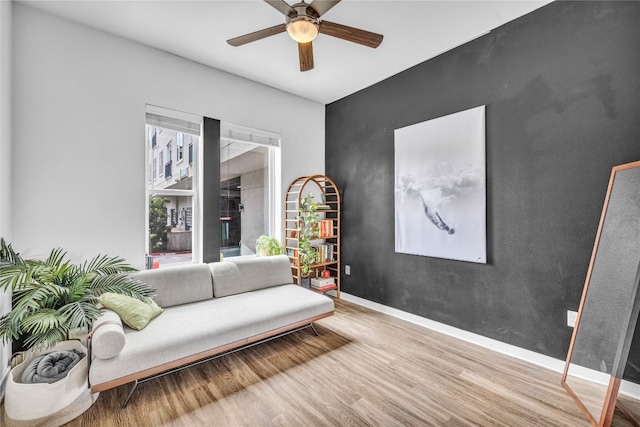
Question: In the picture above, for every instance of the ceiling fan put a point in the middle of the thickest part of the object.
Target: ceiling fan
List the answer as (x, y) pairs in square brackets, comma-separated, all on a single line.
[(303, 25)]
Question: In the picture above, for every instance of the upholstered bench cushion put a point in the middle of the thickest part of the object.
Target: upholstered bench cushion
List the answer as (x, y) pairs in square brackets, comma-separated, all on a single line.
[(184, 330), (244, 274), (178, 285)]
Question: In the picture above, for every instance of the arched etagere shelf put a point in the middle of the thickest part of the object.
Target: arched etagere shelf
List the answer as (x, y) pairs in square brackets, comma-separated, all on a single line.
[(327, 244)]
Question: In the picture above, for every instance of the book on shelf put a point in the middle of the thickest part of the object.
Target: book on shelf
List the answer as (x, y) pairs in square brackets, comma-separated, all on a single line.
[(325, 228), (325, 288), (321, 282), (325, 252), (293, 254)]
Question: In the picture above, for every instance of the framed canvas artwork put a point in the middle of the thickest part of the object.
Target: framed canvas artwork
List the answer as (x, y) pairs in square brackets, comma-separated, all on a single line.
[(440, 187)]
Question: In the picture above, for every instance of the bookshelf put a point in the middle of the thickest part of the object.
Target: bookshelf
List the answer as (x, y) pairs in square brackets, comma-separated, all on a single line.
[(326, 230)]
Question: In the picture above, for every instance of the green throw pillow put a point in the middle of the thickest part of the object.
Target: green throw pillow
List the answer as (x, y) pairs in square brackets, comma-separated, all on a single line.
[(135, 313)]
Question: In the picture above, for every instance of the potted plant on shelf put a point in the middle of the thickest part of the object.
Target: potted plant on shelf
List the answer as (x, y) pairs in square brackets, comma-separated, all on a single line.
[(268, 245), (307, 232), (53, 297)]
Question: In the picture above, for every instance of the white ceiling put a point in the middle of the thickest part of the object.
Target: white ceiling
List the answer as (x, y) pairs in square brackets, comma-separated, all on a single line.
[(414, 31)]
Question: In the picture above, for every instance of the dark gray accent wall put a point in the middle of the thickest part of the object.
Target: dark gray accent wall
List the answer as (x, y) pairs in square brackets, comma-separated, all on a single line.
[(562, 90)]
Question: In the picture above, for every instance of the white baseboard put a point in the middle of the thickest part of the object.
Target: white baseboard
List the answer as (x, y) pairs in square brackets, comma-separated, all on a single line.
[(627, 388), (630, 389)]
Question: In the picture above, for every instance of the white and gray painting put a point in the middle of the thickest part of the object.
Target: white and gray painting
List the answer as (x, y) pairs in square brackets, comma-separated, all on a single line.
[(440, 187)]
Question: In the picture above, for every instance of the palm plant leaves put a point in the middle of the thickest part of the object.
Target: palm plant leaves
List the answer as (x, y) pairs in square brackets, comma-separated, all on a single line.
[(9, 328), (103, 264), (41, 321), (32, 298), (53, 296), (80, 314), (49, 338), (121, 283), (56, 259), (8, 256), (77, 288)]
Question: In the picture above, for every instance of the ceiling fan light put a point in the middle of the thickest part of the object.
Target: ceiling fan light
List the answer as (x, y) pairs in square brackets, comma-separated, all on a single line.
[(302, 31)]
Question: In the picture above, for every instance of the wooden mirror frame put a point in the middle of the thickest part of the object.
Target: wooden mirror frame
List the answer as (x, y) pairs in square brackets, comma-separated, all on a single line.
[(627, 323)]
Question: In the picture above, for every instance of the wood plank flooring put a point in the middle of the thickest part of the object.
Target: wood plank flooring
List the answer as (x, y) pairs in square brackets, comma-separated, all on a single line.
[(365, 369)]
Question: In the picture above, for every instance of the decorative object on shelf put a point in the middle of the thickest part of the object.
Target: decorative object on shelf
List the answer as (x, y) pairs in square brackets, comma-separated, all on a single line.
[(268, 246), (321, 282), (440, 187), (312, 230), (305, 282), (52, 298)]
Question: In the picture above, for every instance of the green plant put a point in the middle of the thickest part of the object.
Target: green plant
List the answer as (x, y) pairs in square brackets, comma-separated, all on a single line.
[(158, 223), (53, 297), (267, 246), (307, 231)]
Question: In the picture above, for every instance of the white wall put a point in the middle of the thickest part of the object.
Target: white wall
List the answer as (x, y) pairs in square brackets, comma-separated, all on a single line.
[(5, 160), (79, 103)]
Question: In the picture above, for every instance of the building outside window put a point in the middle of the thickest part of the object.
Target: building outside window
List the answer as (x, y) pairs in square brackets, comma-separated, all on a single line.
[(172, 230)]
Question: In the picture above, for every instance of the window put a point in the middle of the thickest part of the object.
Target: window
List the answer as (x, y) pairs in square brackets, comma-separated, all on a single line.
[(184, 215), (179, 146), (152, 137), (172, 231), (168, 166), (249, 188)]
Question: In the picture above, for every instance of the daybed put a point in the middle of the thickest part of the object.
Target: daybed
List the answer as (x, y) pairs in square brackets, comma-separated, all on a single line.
[(209, 309)]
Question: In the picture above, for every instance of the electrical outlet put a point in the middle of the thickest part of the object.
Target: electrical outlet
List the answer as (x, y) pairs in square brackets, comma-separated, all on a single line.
[(347, 270), (572, 316)]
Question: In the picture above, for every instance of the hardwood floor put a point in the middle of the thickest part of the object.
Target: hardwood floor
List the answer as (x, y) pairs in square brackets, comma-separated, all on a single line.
[(365, 369)]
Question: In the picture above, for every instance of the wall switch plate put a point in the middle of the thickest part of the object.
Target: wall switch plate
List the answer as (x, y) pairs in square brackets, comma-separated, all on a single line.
[(572, 316), (347, 269)]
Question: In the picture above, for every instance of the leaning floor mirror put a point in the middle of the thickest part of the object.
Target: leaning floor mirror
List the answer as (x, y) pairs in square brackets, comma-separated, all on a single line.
[(608, 311)]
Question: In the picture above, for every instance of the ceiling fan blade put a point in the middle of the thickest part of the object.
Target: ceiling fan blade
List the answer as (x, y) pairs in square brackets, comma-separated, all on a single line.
[(305, 51), (322, 6), (282, 6), (351, 34), (251, 37)]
